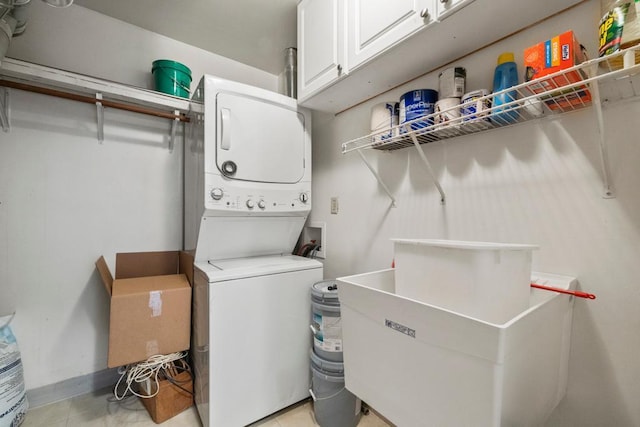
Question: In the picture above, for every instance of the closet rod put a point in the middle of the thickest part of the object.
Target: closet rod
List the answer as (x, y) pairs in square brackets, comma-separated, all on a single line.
[(92, 100)]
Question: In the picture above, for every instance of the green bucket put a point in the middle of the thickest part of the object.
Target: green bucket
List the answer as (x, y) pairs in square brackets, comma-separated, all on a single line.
[(171, 77)]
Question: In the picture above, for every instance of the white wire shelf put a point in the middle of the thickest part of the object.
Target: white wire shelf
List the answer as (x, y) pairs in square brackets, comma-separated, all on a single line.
[(568, 90), (26, 72), (21, 75)]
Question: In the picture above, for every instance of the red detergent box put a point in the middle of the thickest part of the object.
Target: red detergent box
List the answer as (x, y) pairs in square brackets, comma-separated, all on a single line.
[(551, 56)]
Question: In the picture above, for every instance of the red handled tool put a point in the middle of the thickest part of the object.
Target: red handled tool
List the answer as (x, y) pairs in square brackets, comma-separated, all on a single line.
[(564, 291)]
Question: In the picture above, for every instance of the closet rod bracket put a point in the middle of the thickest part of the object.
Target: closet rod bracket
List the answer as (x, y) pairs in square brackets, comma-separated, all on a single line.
[(174, 127), (4, 110), (100, 116)]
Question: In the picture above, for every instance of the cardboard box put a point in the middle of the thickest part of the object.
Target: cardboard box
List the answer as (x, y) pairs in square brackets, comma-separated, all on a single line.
[(551, 56), (150, 304), (171, 399)]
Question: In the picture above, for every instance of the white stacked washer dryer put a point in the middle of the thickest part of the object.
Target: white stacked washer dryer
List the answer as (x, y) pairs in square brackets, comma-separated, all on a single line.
[(247, 196)]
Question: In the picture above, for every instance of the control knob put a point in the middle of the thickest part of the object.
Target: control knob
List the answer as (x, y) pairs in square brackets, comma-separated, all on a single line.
[(304, 197), (217, 193), (250, 204), (261, 204)]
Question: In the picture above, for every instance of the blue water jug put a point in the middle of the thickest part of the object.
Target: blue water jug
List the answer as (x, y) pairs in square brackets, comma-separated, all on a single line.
[(505, 76)]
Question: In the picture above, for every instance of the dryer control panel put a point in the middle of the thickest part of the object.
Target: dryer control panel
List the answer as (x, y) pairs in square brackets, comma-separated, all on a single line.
[(252, 200), (265, 201)]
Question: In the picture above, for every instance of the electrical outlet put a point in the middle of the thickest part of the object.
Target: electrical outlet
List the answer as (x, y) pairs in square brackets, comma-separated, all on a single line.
[(334, 205)]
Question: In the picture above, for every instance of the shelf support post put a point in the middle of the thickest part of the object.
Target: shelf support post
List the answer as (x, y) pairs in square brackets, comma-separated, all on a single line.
[(100, 116), (609, 191), (375, 173), (174, 126), (427, 165), (4, 110)]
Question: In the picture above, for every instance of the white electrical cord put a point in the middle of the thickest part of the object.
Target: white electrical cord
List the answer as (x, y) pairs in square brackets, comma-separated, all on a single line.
[(144, 371)]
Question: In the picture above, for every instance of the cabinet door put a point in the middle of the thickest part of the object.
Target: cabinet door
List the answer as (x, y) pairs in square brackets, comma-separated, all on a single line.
[(375, 25), (446, 7), (320, 45)]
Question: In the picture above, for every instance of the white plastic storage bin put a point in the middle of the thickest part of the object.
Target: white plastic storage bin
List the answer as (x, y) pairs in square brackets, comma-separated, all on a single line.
[(418, 364), (488, 281)]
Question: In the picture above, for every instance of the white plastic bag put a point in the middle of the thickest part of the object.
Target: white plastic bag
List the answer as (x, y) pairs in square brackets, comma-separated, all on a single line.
[(13, 397)]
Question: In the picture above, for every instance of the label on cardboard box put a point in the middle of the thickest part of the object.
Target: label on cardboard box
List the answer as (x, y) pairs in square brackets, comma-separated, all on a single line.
[(551, 56), (155, 303)]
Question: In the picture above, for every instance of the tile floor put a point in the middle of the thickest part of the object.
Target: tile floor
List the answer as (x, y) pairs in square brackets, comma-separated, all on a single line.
[(100, 409)]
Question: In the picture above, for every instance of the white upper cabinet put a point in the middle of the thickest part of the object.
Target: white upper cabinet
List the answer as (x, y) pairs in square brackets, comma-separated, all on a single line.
[(321, 52), (446, 7), (376, 25), (353, 50)]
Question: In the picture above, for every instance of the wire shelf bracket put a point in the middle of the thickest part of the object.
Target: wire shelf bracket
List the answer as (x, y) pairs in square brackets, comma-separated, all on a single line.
[(428, 166), (608, 190), (378, 178)]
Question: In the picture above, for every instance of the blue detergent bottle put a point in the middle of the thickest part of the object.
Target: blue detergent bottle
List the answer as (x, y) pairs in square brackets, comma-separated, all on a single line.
[(504, 77)]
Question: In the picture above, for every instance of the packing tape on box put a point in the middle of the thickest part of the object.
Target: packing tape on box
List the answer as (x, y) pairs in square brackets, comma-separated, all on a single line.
[(152, 348), (155, 303)]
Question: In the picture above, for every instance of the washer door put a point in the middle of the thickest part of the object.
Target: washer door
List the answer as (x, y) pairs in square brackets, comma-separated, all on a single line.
[(257, 140)]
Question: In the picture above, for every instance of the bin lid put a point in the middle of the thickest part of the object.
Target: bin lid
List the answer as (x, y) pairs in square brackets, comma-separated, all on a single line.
[(325, 291)]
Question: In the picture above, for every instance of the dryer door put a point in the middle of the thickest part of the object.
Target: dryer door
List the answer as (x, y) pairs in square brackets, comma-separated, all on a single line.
[(257, 140)]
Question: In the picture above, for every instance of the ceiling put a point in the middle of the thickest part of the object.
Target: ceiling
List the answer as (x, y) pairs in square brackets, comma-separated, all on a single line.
[(253, 32)]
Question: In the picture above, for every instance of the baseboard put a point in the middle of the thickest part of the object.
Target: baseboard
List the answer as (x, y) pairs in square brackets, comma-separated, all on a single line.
[(72, 387)]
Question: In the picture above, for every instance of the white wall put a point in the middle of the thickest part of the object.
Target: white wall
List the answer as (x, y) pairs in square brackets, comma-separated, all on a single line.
[(538, 183), (65, 199), (81, 40)]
